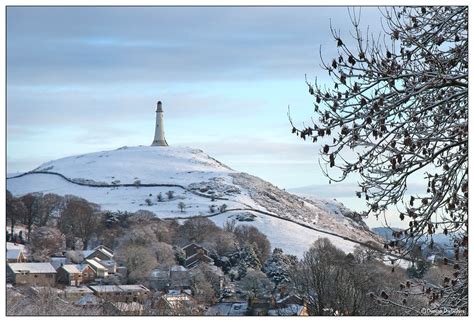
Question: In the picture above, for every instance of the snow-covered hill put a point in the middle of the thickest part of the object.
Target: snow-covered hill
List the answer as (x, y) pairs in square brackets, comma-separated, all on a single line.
[(131, 178)]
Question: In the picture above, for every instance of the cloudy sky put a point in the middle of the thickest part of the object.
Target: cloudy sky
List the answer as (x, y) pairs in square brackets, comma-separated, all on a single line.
[(85, 79)]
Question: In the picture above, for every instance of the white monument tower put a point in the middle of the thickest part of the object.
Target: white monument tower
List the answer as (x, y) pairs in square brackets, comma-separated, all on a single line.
[(159, 131)]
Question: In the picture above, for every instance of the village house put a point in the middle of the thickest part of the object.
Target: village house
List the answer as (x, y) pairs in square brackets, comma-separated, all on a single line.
[(69, 274), (88, 274), (101, 252), (195, 254), (123, 308), (58, 261), (176, 303), (228, 309), (289, 310), (16, 255), (121, 293), (39, 274), (88, 300), (288, 305), (260, 306), (180, 277), (74, 293), (99, 270), (193, 248), (177, 277), (159, 279), (109, 264)]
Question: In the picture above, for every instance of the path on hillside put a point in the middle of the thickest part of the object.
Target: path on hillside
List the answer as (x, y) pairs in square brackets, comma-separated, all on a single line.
[(248, 208)]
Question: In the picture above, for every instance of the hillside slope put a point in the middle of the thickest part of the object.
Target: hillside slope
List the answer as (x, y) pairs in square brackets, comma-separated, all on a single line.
[(131, 178)]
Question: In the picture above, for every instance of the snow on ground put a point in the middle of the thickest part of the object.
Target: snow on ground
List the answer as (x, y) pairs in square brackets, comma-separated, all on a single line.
[(292, 238), (192, 169), (119, 198), (176, 165)]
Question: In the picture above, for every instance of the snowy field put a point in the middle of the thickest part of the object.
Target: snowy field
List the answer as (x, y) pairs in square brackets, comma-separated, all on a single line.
[(292, 238)]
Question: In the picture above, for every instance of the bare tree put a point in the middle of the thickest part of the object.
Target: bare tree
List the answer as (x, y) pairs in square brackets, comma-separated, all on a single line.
[(164, 253), (139, 260), (248, 235), (16, 210), (31, 216), (330, 281), (170, 194), (181, 206), (48, 206), (45, 242), (197, 229), (79, 218), (397, 114), (256, 283)]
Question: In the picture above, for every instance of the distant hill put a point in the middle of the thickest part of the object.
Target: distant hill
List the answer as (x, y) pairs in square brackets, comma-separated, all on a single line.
[(133, 178), (442, 243)]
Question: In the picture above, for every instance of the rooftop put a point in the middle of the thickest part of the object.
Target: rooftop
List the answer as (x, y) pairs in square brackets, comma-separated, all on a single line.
[(105, 288), (160, 274), (135, 287), (41, 268), (289, 310), (118, 288), (14, 253), (228, 309), (95, 265), (14, 246), (88, 299), (75, 290), (71, 269)]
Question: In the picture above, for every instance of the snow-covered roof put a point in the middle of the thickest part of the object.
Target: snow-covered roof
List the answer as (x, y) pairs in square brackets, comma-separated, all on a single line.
[(71, 269), (107, 262), (87, 252), (95, 265), (289, 310), (118, 288), (175, 298), (104, 250), (196, 258), (196, 246), (34, 268), (135, 287), (14, 253), (14, 246), (280, 300), (78, 290), (88, 299), (160, 274), (105, 288), (82, 267), (228, 309)]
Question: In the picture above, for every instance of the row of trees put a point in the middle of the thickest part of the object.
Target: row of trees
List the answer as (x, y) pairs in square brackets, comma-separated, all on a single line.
[(74, 217)]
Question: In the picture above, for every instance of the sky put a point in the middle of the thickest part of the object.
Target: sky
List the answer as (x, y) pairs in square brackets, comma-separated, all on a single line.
[(86, 79)]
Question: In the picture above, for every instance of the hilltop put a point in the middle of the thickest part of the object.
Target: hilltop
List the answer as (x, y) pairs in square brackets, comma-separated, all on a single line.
[(133, 178)]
